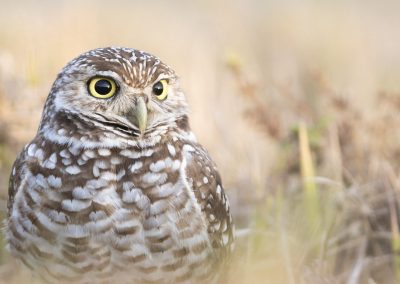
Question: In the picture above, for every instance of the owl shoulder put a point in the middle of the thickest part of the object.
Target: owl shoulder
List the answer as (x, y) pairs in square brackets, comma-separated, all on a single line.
[(205, 181)]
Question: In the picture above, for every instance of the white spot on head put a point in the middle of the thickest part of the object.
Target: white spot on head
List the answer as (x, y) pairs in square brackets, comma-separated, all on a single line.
[(205, 180)]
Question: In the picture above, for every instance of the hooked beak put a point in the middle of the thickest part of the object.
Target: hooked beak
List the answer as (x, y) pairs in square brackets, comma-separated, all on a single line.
[(138, 115)]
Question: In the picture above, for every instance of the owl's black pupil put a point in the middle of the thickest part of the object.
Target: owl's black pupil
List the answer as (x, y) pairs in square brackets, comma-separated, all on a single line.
[(103, 87), (158, 88)]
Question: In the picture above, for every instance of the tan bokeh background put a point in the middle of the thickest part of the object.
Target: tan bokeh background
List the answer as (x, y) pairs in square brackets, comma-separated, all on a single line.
[(279, 45)]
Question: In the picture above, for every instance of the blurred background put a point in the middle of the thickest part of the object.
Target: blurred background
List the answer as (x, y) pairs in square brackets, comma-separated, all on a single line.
[(298, 103)]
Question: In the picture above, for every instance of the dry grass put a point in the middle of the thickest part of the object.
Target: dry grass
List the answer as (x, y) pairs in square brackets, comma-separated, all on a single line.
[(341, 224), (298, 103)]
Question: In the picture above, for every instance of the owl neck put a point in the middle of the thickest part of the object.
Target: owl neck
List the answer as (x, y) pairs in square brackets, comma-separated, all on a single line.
[(182, 123), (70, 129)]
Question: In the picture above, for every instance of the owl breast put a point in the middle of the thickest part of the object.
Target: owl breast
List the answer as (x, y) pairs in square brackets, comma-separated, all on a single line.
[(109, 213)]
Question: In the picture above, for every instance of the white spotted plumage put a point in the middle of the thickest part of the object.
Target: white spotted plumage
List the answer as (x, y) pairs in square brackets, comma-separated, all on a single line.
[(95, 198)]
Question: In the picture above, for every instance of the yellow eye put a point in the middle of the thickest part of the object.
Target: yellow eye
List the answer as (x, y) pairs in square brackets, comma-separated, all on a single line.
[(160, 89), (102, 87)]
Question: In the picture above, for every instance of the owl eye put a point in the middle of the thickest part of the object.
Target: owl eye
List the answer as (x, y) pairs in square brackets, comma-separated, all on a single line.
[(102, 88), (160, 89)]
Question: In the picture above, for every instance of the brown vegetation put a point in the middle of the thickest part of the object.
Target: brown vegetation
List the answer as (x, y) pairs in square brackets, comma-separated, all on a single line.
[(298, 103)]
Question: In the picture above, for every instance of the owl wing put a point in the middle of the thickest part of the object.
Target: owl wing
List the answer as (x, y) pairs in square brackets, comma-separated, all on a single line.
[(203, 177), (15, 180)]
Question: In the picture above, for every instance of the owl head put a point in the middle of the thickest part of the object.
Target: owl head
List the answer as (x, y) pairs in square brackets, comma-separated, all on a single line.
[(121, 90)]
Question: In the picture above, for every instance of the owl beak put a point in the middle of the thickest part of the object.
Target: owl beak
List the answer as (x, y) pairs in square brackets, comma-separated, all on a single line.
[(139, 114)]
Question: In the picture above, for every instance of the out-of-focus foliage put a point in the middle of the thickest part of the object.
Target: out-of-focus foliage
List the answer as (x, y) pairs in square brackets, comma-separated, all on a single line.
[(297, 101)]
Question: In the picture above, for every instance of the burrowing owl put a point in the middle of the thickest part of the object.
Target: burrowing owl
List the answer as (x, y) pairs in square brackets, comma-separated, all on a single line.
[(114, 186)]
